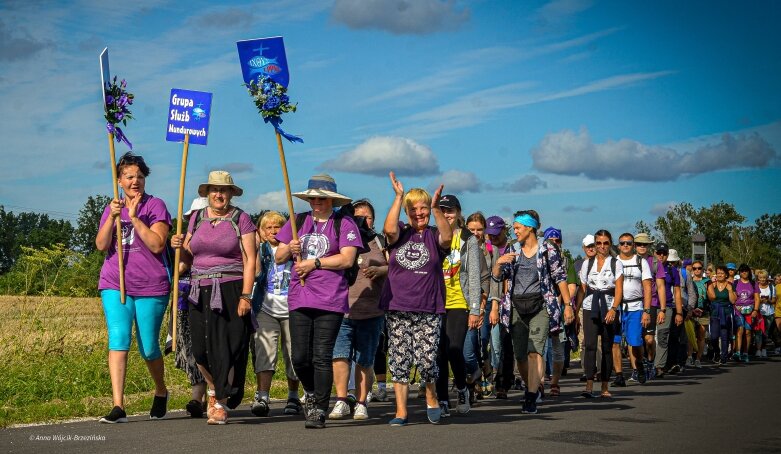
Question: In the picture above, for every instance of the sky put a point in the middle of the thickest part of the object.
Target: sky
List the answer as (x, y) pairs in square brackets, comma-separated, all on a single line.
[(595, 114)]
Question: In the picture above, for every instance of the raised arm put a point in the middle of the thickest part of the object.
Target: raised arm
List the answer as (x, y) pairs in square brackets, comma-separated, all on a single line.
[(391, 226), (445, 230)]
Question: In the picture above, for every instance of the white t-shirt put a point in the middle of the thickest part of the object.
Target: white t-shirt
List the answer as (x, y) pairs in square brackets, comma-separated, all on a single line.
[(633, 282), (600, 279), (767, 292), (278, 281)]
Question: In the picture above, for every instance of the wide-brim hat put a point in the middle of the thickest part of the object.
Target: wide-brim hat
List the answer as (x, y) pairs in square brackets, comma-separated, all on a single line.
[(323, 185), (643, 238), (219, 178), (673, 256)]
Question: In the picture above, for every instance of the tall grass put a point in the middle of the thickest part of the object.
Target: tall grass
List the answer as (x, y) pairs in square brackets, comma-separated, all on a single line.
[(53, 364)]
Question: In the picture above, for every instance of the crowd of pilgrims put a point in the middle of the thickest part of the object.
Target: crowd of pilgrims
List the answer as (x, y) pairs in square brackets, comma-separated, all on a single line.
[(367, 309)]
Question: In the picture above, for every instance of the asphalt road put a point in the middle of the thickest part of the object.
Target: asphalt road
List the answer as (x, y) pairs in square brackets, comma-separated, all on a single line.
[(729, 409)]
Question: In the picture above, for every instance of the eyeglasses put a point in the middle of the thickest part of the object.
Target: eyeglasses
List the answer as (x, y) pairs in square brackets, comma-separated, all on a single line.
[(602, 243), (626, 243), (589, 246), (695, 268), (641, 245)]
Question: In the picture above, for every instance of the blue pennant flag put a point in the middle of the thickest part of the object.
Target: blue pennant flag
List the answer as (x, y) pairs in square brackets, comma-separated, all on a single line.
[(264, 57)]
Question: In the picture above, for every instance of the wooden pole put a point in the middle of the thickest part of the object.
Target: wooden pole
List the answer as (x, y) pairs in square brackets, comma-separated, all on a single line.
[(120, 255), (178, 252), (293, 225)]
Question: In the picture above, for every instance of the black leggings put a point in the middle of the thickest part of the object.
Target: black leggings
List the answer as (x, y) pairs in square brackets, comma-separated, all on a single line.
[(592, 328), (381, 356), (312, 336), (505, 377), (451, 350)]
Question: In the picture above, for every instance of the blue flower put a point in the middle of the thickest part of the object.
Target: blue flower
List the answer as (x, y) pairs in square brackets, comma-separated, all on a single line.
[(271, 103)]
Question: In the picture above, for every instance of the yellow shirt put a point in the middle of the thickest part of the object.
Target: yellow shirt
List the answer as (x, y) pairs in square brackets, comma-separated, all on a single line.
[(778, 302), (451, 268)]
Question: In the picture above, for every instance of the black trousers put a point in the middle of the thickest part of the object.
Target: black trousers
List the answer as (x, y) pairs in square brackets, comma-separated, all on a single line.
[(451, 350), (593, 327), (312, 336), (505, 377)]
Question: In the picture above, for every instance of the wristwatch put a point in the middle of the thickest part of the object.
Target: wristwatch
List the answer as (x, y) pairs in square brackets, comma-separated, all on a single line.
[(647, 311), (318, 265), (664, 311)]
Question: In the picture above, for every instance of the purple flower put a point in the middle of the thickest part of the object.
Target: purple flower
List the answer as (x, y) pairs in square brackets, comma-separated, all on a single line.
[(123, 84), (109, 100), (119, 116), (122, 100)]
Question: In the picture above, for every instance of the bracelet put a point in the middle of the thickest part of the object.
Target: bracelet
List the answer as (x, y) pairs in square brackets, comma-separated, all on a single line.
[(246, 295), (246, 298)]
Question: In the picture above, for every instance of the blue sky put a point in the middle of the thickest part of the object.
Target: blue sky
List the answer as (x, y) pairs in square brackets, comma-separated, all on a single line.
[(596, 114)]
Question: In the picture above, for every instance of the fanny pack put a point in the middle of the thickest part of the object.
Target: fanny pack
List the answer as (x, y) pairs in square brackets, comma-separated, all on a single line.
[(528, 303)]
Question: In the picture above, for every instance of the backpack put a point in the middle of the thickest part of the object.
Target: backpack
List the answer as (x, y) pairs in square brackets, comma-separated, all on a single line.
[(234, 221), (366, 234), (591, 265)]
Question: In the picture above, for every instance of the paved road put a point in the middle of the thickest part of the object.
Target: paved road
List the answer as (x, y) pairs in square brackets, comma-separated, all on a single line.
[(732, 409)]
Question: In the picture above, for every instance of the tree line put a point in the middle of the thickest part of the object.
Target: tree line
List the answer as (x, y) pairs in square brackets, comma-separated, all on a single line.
[(44, 256)]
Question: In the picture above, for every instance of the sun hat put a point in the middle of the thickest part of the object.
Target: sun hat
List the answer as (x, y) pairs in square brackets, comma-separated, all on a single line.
[(588, 240), (643, 238), (323, 185), (673, 256), (449, 201), (199, 203), (494, 225), (219, 178)]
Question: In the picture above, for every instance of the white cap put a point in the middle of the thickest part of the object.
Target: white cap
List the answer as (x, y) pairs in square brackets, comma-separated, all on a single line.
[(588, 240), (199, 203)]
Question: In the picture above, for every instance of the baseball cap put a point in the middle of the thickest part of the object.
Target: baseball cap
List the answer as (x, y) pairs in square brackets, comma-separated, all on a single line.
[(588, 240), (449, 201), (687, 262), (494, 225), (731, 266), (663, 247)]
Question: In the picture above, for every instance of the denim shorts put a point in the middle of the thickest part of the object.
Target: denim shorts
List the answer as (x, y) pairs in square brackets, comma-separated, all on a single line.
[(358, 339), (632, 328)]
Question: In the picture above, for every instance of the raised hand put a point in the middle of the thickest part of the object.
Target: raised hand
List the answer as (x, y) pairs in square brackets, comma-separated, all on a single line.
[(437, 196), (132, 205), (396, 184)]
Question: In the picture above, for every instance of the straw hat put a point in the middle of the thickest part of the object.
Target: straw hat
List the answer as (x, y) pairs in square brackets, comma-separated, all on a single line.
[(219, 178), (323, 185)]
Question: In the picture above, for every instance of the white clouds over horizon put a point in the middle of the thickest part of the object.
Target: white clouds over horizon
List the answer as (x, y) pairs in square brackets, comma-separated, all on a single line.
[(570, 153), (400, 17), (457, 181), (379, 155)]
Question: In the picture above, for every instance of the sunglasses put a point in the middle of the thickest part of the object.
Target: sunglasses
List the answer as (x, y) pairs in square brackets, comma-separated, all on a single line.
[(602, 243), (641, 245), (626, 243), (695, 268), (589, 246), (318, 198), (662, 253)]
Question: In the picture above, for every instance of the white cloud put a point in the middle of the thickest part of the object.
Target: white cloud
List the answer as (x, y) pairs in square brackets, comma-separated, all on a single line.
[(660, 209), (525, 183), (277, 201), (556, 12), (379, 155), (456, 181), (571, 153), (400, 17)]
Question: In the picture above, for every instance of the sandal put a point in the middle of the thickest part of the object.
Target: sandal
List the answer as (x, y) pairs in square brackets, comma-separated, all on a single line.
[(555, 390), (606, 395)]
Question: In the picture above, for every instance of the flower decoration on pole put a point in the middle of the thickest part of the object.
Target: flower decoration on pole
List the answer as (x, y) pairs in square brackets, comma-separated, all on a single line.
[(272, 101), (117, 111)]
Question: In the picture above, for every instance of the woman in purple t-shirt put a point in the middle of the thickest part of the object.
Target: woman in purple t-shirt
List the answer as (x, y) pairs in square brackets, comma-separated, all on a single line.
[(221, 240), (145, 223), (413, 295), (747, 304), (318, 305)]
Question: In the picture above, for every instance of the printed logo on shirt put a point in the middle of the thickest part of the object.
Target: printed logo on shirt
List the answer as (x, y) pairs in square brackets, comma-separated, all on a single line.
[(413, 256), (279, 280), (128, 233), (351, 236), (314, 245), (452, 264)]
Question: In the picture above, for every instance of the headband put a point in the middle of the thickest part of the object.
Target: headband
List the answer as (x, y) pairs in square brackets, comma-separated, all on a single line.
[(527, 220)]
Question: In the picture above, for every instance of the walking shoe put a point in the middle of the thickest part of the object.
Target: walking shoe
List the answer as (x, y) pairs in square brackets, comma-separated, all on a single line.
[(361, 412), (219, 415), (518, 384), (651, 371), (259, 406), (689, 362), (434, 415), (381, 395), (472, 394), (463, 406), (744, 357), (718, 362), (194, 408), (398, 422), (309, 404), (530, 404), (293, 406), (315, 419), (619, 381), (583, 378), (736, 356), (642, 375), (116, 415), (659, 373), (633, 377), (674, 370), (445, 407), (159, 407), (369, 397), (697, 364), (540, 394), (341, 410)]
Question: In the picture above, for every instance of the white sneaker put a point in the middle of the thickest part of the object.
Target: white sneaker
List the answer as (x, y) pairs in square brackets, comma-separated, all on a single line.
[(778, 351), (697, 364), (763, 353), (340, 411), (361, 412), (463, 402), (689, 362)]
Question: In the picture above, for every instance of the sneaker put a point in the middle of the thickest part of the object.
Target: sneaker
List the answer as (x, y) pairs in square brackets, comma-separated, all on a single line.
[(718, 362), (540, 394), (463, 406), (778, 351), (116, 415), (309, 404), (381, 395), (633, 377), (159, 407), (642, 375), (434, 415), (293, 407), (744, 357), (219, 416), (316, 419), (259, 406), (763, 353), (689, 362), (194, 408), (352, 401), (445, 407), (674, 370), (619, 381), (659, 373), (697, 364), (369, 397), (736, 356), (518, 384), (361, 412), (341, 410), (529, 405)]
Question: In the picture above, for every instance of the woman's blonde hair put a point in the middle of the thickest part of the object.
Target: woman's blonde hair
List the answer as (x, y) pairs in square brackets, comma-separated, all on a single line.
[(269, 217), (761, 273), (416, 195)]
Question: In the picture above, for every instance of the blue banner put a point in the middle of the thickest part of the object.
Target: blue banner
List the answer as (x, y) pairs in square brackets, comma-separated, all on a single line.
[(264, 57), (188, 113)]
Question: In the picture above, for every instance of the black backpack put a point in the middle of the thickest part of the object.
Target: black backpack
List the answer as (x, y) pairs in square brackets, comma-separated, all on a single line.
[(367, 235)]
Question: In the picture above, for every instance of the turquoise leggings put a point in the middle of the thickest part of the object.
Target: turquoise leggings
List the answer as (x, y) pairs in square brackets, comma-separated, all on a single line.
[(146, 311)]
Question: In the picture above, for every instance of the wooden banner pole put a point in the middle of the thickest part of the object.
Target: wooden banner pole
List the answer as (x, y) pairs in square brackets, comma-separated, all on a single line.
[(120, 255), (293, 225), (178, 252)]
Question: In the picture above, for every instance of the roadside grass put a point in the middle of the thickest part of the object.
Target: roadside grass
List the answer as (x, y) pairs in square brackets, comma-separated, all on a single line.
[(53, 352)]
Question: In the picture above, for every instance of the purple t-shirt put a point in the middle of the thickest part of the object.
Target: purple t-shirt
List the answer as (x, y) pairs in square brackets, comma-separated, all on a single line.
[(672, 278), (323, 289), (661, 273), (415, 281), (217, 244), (145, 273), (745, 292)]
